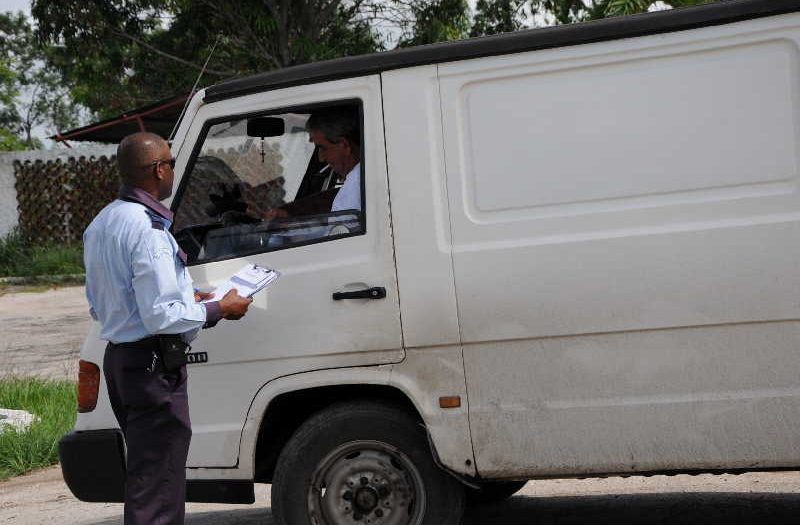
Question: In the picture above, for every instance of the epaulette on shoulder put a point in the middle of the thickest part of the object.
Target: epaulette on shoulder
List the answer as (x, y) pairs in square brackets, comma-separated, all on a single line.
[(154, 222)]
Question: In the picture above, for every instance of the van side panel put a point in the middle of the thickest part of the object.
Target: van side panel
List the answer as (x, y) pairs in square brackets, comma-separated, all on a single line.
[(626, 247)]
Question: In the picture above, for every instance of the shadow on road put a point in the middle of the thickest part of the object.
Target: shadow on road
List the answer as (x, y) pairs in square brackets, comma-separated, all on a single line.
[(245, 516), (709, 508)]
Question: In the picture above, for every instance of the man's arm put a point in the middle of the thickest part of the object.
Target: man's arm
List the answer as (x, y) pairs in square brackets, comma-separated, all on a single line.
[(163, 304)]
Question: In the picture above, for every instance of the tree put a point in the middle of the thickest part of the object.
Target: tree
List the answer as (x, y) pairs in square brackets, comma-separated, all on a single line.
[(631, 7), (568, 11), (431, 21), (119, 54), (115, 55), (30, 90), (280, 33), (498, 16)]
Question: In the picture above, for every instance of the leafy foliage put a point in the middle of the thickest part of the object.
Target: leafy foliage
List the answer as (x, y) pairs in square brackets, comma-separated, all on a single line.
[(21, 258), (120, 54), (498, 16), (569, 11), (437, 21), (31, 92)]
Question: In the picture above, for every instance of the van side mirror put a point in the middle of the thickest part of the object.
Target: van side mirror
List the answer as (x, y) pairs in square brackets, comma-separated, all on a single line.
[(265, 127)]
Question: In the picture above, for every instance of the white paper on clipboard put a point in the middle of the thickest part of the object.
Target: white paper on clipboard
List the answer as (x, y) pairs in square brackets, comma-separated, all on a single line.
[(248, 281)]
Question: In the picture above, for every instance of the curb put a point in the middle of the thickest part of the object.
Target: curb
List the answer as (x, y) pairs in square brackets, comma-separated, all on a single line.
[(72, 278)]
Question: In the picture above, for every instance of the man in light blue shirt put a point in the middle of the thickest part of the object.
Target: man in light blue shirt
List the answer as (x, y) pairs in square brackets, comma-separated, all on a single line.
[(140, 292), (337, 135)]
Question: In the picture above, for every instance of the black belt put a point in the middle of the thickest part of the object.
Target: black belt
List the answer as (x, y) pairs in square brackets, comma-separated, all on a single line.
[(171, 348), (149, 342)]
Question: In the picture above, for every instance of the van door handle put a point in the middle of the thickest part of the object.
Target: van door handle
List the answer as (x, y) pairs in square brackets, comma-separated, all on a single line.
[(376, 292)]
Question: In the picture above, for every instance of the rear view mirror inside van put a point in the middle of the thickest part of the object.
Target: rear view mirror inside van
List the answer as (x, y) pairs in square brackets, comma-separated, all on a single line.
[(265, 127)]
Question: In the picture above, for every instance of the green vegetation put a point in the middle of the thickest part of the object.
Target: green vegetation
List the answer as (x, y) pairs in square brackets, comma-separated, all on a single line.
[(77, 60), (20, 258), (31, 91), (116, 55), (54, 405)]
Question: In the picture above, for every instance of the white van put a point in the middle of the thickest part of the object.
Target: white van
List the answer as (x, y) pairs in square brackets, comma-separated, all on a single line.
[(577, 254)]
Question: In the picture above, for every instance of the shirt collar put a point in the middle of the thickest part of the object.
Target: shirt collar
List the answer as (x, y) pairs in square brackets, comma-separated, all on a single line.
[(356, 169), (134, 194)]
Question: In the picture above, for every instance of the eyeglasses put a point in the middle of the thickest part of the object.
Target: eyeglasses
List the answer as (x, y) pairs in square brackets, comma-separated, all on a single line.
[(158, 163)]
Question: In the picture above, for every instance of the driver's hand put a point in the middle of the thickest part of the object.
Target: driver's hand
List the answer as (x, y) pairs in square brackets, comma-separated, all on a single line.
[(275, 212)]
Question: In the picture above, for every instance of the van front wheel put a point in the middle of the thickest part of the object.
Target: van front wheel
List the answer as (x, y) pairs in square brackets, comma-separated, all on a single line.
[(362, 463)]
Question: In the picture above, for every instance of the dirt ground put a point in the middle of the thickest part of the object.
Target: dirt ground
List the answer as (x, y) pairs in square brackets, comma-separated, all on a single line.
[(42, 334)]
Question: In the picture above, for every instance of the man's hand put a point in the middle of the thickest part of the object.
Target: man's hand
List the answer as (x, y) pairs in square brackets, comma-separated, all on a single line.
[(275, 212), (202, 296), (233, 306)]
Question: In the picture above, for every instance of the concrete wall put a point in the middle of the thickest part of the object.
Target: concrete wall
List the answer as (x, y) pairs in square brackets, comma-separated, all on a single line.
[(8, 195)]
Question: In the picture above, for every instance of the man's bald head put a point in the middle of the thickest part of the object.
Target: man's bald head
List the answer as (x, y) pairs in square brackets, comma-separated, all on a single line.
[(136, 154), (145, 162)]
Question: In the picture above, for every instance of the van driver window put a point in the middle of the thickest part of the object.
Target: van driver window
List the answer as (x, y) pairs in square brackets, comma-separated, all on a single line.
[(270, 182)]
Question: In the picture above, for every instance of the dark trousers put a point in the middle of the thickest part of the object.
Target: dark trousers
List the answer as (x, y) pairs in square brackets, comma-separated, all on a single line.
[(152, 408)]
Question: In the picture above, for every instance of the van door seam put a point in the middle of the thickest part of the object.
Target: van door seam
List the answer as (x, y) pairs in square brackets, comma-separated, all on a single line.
[(452, 263), (391, 223)]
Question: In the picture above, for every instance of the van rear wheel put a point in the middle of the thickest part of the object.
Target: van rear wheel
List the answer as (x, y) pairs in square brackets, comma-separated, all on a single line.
[(363, 463)]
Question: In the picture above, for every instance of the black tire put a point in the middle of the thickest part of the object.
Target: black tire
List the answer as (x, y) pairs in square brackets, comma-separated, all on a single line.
[(489, 492), (363, 460)]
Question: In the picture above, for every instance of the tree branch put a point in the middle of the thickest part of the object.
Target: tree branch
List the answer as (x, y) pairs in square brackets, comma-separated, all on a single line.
[(171, 57), (236, 18)]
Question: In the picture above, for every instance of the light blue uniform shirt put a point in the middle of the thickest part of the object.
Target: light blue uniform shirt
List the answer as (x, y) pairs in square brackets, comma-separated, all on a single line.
[(136, 283)]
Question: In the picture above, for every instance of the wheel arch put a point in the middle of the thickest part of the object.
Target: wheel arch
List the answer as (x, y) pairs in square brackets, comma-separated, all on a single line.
[(286, 412), (285, 402)]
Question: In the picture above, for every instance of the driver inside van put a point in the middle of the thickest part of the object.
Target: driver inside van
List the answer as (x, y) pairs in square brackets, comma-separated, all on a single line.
[(335, 132), (337, 135)]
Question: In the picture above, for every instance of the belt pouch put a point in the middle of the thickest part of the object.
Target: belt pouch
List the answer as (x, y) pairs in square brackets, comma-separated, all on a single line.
[(173, 351)]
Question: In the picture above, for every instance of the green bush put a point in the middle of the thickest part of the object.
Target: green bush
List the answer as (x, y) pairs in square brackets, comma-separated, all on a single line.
[(20, 258), (54, 403)]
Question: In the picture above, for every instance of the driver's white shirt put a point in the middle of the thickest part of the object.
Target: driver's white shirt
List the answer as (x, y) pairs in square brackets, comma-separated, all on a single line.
[(349, 195)]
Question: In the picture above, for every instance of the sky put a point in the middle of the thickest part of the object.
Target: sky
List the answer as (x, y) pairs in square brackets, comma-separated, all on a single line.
[(16, 5)]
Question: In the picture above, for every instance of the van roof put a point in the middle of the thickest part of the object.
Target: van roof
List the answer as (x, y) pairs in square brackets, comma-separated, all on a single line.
[(718, 13)]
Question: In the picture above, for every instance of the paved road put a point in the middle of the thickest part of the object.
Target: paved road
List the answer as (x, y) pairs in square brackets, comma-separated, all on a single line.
[(42, 334)]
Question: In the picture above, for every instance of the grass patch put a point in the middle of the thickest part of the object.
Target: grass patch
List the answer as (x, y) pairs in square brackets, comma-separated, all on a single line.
[(54, 403), (20, 258)]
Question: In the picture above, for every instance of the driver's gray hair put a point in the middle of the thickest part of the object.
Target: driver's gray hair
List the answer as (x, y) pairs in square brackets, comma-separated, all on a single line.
[(337, 123)]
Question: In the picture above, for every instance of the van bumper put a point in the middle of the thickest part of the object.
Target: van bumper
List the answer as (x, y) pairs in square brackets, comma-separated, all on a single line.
[(93, 464)]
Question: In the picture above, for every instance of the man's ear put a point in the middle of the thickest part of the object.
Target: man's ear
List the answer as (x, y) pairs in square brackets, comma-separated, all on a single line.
[(352, 149)]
